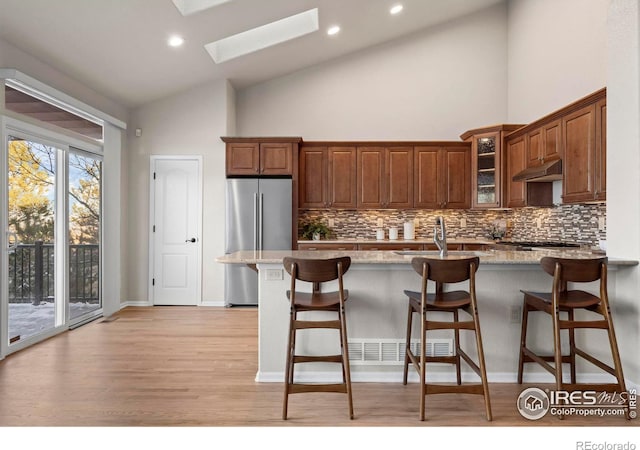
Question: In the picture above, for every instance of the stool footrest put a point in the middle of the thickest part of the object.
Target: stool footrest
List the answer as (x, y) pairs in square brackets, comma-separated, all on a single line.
[(305, 324), (439, 325), (323, 358), (454, 389), (299, 388)]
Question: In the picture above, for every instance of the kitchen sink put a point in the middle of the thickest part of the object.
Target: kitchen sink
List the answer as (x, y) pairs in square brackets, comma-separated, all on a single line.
[(437, 253)]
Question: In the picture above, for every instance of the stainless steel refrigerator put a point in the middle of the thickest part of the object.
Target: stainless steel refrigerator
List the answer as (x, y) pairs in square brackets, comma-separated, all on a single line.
[(258, 217)]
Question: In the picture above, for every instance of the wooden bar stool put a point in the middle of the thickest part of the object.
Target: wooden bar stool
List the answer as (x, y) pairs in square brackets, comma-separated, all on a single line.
[(317, 271), (443, 271), (562, 299)]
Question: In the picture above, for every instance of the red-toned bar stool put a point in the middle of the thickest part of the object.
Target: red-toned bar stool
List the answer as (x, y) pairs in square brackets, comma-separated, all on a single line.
[(442, 272), (564, 300), (317, 271)]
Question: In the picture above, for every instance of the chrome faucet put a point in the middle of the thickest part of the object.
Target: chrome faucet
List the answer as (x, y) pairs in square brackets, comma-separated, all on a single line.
[(441, 240)]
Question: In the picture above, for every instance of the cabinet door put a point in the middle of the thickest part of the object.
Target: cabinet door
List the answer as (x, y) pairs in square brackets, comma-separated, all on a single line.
[(427, 182), (342, 183), (323, 246), (371, 177), (551, 141), (243, 158), (600, 180), (516, 162), (313, 177), (457, 178), (276, 159), (534, 148), (398, 180), (486, 177), (579, 142)]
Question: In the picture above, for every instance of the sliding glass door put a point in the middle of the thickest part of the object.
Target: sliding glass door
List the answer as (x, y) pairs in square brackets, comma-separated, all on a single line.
[(85, 211), (52, 260), (35, 306)]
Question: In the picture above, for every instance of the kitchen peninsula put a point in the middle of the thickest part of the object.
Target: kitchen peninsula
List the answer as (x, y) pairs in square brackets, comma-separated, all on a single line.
[(376, 311)]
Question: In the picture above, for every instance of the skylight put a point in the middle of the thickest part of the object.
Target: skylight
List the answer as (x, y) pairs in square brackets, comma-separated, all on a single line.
[(264, 36), (187, 7)]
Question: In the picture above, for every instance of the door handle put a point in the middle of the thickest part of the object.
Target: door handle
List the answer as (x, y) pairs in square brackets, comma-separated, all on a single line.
[(191, 240), (260, 221)]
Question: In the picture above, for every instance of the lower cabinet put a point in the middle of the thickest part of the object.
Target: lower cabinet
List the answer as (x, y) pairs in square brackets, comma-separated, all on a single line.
[(390, 246), (327, 246)]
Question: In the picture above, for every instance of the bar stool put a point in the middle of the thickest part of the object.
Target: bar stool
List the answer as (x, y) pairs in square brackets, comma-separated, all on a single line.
[(562, 299), (443, 271), (317, 271)]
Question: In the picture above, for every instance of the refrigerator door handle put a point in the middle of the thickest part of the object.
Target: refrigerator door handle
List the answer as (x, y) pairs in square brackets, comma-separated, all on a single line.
[(255, 221), (260, 217)]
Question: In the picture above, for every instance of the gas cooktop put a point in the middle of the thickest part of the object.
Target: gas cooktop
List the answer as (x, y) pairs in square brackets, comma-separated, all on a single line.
[(528, 245)]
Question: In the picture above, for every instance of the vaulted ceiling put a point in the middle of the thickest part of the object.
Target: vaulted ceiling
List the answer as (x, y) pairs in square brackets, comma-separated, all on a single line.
[(119, 48)]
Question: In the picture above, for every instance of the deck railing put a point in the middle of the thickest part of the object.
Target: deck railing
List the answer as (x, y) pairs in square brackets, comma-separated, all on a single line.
[(31, 273)]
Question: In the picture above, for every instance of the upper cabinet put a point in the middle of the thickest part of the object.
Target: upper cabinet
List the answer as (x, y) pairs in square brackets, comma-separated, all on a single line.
[(544, 144), (385, 177), (260, 156), (327, 177), (488, 165), (568, 145), (442, 176)]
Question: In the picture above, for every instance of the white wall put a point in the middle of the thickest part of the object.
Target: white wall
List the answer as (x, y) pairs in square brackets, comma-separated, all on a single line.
[(434, 84), (623, 170), (557, 54), (188, 123)]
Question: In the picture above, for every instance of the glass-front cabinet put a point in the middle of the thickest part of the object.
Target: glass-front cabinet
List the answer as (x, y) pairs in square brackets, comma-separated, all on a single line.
[(488, 165)]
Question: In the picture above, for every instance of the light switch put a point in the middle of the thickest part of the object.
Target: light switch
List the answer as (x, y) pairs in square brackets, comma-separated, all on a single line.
[(380, 223), (601, 223), (331, 223), (463, 223)]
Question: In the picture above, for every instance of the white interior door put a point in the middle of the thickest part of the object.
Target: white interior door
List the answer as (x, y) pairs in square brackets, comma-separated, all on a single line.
[(176, 223)]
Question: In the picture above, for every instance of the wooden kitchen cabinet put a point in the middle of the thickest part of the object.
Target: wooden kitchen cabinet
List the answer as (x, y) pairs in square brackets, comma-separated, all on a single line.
[(442, 176), (600, 181), (488, 165), (260, 156), (544, 144), (385, 177), (326, 246), (579, 141), (327, 177), (516, 162), (390, 246)]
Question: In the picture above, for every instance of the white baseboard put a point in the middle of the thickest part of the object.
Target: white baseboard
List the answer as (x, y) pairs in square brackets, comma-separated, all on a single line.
[(135, 303), (372, 376), (212, 303)]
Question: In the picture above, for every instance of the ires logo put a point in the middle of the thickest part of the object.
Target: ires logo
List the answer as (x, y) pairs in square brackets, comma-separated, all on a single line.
[(535, 403)]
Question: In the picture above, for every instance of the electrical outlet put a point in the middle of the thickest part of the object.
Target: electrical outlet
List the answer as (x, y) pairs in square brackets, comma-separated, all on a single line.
[(539, 222), (416, 222), (331, 223), (463, 223), (273, 275), (515, 313), (380, 223), (601, 223)]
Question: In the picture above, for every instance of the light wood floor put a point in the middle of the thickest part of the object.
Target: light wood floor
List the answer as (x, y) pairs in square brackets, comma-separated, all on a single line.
[(183, 366)]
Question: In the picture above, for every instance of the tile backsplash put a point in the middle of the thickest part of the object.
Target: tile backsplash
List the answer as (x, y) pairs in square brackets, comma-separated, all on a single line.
[(579, 224)]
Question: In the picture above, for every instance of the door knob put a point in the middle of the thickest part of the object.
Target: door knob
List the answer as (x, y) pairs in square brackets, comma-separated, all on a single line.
[(191, 240)]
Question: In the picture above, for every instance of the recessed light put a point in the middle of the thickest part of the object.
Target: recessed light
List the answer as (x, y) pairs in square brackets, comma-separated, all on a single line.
[(175, 41), (396, 9), (333, 30)]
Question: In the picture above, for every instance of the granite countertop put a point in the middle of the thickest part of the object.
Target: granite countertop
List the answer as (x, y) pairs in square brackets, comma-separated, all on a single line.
[(390, 257)]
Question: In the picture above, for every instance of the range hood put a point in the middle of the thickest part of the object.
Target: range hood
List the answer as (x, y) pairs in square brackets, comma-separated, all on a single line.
[(550, 171)]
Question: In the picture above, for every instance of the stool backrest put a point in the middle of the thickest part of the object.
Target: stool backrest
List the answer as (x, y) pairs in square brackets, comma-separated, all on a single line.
[(447, 270), (317, 270), (574, 270)]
